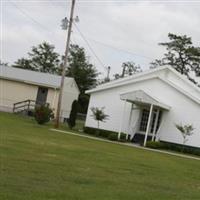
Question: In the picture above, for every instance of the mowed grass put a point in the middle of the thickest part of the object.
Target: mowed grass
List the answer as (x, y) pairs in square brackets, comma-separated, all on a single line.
[(40, 164)]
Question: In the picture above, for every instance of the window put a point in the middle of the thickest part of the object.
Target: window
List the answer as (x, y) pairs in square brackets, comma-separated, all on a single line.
[(144, 120)]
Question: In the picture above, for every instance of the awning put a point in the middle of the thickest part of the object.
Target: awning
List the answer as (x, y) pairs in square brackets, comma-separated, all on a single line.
[(140, 97)]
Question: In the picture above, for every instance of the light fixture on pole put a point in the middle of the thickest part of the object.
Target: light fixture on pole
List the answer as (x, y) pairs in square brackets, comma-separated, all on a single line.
[(66, 24)]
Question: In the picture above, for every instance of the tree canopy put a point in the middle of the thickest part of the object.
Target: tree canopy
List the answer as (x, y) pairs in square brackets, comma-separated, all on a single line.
[(42, 58), (84, 73), (181, 55), (128, 68)]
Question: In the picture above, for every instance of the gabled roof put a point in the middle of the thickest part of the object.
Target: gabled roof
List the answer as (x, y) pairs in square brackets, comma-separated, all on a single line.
[(151, 74), (31, 77)]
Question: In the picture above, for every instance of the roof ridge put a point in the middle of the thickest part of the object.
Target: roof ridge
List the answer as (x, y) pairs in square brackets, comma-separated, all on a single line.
[(31, 77)]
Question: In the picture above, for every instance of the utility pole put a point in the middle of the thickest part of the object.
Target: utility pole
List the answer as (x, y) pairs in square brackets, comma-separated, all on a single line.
[(57, 121)]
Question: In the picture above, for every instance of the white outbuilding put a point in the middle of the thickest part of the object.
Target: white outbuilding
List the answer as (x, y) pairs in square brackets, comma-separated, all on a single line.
[(22, 89), (148, 105)]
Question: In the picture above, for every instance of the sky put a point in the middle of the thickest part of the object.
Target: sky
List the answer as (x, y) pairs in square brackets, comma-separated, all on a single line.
[(111, 31)]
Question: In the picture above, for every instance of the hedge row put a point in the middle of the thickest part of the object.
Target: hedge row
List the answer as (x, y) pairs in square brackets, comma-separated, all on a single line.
[(174, 147), (111, 135)]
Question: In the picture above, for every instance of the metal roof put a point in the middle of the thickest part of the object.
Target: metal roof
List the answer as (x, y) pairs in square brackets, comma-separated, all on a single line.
[(141, 76), (31, 77), (140, 97)]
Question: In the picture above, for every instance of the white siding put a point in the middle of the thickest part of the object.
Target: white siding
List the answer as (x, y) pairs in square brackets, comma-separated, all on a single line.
[(188, 87), (70, 93), (183, 109), (12, 92)]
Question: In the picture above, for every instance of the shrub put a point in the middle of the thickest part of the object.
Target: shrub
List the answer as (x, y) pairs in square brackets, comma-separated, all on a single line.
[(113, 137), (104, 133), (90, 131), (43, 114), (122, 137), (155, 145), (182, 148), (98, 132), (174, 147), (73, 114)]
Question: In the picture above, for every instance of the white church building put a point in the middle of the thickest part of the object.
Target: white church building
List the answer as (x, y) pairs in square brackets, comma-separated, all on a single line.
[(148, 105)]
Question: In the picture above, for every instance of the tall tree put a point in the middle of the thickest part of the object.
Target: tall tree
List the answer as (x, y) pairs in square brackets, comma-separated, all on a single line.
[(128, 68), (84, 73), (181, 55), (42, 58)]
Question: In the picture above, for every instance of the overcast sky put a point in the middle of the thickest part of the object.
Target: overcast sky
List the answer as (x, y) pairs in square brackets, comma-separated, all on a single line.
[(117, 31)]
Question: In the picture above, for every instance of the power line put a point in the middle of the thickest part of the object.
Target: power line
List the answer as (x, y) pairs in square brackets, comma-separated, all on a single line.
[(27, 15), (91, 49), (120, 49), (82, 35), (42, 26), (104, 44), (49, 37)]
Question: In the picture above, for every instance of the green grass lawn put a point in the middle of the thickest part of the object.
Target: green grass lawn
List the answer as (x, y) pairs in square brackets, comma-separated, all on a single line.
[(40, 164)]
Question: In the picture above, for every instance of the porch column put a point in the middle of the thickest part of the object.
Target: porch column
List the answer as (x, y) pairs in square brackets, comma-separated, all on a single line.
[(129, 121), (122, 120), (155, 125), (148, 124), (160, 126)]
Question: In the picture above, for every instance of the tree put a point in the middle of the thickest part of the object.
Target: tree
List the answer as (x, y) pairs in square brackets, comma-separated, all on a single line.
[(181, 55), (42, 58), (128, 68), (73, 114), (186, 130), (24, 63), (99, 115), (83, 101), (84, 73)]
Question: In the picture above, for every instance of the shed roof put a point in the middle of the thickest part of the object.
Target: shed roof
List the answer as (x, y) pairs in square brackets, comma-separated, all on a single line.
[(140, 97), (31, 77)]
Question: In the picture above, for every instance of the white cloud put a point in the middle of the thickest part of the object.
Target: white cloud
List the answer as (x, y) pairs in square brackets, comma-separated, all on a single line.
[(135, 26)]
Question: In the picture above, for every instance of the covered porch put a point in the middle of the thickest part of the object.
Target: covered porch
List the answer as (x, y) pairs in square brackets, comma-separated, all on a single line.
[(149, 117)]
